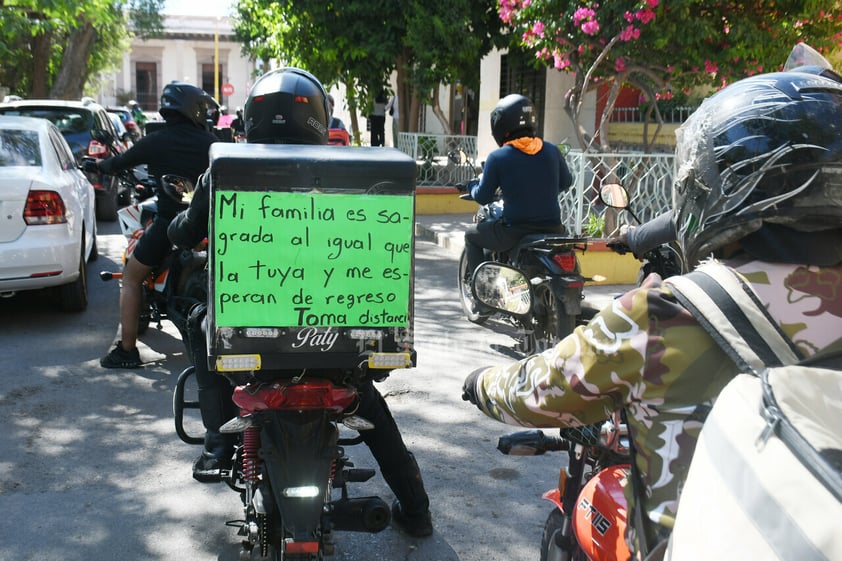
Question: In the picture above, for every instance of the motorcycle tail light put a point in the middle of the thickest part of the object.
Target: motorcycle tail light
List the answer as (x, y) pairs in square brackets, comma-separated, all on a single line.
[(97, 149), (317, 394), (567, 261)]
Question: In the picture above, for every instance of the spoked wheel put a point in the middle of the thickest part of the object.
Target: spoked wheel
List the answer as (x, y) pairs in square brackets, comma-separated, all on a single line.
[(469, 304), (552, 540)]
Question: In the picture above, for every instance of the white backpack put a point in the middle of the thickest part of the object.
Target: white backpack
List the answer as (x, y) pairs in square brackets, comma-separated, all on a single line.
[(765, 481)]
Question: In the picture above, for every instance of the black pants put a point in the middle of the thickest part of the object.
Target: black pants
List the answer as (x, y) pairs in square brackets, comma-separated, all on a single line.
[(495, 235), (378, 130)]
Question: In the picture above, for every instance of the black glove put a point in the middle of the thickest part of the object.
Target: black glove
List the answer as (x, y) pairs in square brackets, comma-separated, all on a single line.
[(469, 388), (89, 165)]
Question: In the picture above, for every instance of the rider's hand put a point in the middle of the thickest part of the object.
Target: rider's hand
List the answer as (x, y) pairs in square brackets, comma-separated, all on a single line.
[(469, 388), (90, 165), (620, 244)]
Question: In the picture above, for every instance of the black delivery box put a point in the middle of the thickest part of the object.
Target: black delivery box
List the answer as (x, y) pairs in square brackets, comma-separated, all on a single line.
[(311, 252)]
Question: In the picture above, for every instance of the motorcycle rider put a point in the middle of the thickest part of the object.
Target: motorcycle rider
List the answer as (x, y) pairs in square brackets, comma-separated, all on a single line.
[(277, 93), (756, 184), (530, 175), (179, 148)]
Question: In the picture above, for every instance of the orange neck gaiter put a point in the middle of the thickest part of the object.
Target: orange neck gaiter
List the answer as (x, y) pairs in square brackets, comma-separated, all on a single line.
[(530, 145)]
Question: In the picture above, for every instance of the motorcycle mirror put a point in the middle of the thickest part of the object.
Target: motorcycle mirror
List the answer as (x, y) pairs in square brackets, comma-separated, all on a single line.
[(459, 157), (503, 288), (614, 195), (177, 188)]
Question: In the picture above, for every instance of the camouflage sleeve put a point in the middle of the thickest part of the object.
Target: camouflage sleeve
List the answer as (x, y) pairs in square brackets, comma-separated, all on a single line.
[(614, 360)]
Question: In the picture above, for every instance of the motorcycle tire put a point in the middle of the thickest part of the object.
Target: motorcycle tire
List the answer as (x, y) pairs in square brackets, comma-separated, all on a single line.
[(551, 538), (553, 323), (466, 298)]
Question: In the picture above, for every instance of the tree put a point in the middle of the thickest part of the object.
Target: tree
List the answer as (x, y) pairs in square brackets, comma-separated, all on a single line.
[(361, 42), (663, 46), (53, 48)]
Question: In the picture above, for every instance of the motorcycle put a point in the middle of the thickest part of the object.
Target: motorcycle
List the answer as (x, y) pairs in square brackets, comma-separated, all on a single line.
[(665, 259), (290, 461), (180, 281), (589, 516), (550, 263)]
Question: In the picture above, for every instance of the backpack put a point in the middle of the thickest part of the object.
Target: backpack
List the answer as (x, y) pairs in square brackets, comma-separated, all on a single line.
[(765, 481)]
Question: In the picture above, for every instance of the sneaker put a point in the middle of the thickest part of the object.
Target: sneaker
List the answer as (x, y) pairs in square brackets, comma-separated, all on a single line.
[(119, 358), (209, 468), (416, 525)]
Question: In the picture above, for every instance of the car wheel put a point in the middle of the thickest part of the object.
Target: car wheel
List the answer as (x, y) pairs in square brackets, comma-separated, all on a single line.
[(106, 204), (74, 296)]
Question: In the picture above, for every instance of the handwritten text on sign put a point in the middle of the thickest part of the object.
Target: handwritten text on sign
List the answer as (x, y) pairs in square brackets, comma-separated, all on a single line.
[(286, 259)]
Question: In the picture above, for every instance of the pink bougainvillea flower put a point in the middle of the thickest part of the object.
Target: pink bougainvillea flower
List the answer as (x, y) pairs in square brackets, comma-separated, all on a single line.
[(620, 65), (645, 16), (629, 33), (710, 67), (590, 28), (652, 3)]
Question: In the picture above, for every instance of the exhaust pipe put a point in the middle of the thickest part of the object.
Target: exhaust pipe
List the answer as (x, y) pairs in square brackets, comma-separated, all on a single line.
[(362, 514)]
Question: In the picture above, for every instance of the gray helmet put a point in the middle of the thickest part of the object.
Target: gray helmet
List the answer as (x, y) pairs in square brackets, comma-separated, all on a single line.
[(761, 157)]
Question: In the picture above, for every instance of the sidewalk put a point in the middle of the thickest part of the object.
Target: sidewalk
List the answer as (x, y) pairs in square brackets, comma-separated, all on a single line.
[(448, 231)]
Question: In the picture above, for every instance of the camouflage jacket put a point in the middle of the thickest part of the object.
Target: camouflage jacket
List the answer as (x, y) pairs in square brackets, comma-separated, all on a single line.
[(647, 353)]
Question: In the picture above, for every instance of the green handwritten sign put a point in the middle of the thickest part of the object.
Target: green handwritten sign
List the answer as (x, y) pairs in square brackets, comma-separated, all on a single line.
[(283, 259)]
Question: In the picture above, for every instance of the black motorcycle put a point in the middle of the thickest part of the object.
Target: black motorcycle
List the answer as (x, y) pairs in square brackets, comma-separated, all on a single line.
[(551, 266)]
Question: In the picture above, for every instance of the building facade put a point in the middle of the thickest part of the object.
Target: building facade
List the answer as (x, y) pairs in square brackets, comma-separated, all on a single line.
[(198, 50)]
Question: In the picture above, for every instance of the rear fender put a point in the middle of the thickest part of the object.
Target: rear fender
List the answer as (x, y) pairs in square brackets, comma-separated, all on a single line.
[(298, 450)]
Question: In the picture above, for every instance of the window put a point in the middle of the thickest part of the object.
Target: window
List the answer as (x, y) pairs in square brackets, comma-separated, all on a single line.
[(19, 148), (208, 81), (518, 74), (146, 85)]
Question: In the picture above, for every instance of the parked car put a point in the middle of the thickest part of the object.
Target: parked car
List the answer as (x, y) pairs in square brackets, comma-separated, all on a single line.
[(48, 227), (128, 121), (89, 131), (124, 135)]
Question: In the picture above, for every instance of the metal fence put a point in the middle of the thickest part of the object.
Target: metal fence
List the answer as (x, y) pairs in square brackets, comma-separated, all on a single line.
[(430, 153), (647, 177)]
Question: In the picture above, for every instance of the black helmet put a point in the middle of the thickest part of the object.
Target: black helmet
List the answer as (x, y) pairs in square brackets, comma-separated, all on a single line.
[(513, 117), (287, 106), (760, 158), (188, 101)]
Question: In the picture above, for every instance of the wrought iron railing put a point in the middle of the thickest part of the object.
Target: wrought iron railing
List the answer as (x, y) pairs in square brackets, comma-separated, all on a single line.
[(647, 177)]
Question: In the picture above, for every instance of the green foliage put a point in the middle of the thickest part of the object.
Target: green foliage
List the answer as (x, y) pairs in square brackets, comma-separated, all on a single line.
[(650, 44), (35, 34), (595, 225), (361, 42)]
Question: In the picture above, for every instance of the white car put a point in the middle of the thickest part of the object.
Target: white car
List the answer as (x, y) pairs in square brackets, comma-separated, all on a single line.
[(47, 220)]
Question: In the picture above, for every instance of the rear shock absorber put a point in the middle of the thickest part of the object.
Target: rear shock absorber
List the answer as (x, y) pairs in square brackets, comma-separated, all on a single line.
[(251, 445)]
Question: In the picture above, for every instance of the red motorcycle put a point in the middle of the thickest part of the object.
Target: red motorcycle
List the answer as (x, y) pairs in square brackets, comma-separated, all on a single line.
[(589, 518)]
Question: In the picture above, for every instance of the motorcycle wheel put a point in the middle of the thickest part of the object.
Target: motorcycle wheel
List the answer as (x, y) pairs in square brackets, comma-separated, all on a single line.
[(550, 548), (469, 304), (553, 321)]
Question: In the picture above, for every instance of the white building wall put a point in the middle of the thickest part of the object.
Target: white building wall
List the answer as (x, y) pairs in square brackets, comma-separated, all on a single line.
[(187, 44), (557, 125)]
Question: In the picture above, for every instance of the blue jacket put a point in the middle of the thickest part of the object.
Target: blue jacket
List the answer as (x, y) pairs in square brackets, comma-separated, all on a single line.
[(530, 185)]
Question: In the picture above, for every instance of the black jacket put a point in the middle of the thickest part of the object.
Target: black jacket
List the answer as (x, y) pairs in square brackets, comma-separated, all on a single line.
[(179, 149)]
